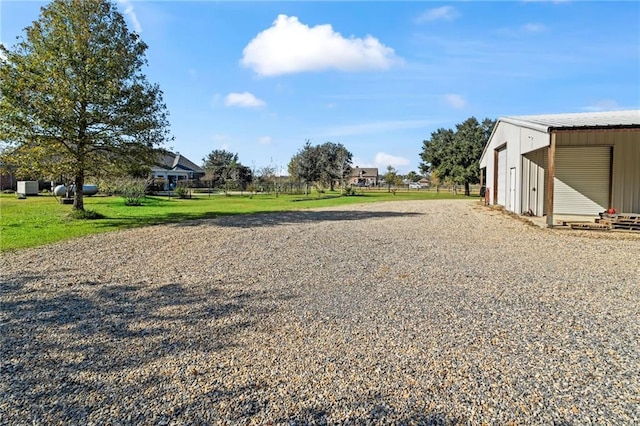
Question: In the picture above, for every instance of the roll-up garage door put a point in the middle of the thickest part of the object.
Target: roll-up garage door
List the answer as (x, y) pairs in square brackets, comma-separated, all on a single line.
[(581, 183), (502, 177)]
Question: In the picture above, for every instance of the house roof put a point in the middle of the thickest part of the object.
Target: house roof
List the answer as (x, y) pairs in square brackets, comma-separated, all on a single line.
[(581, 120), (364, 172), (172, 161)]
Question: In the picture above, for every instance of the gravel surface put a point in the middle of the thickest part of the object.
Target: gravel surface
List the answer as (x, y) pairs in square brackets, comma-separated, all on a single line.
[(434, 312)]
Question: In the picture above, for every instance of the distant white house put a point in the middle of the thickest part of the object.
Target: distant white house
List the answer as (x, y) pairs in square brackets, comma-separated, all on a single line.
[(576, 164), (173, 168)]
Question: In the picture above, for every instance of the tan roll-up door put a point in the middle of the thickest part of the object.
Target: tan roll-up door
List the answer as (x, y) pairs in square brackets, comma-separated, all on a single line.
[(581, 183)]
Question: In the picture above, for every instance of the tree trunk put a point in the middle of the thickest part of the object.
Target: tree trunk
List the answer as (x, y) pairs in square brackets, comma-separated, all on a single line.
[(78, 201), (467, 191)]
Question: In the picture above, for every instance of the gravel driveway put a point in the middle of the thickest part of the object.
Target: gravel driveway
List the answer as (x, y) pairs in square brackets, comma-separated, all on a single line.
[(426, 312)]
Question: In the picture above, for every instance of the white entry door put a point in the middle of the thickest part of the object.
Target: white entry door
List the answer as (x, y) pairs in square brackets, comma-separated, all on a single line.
[(502, 177), (512, 189)]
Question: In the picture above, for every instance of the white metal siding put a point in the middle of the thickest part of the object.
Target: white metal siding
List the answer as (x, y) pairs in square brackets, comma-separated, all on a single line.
[(502, 177), (581, 183)]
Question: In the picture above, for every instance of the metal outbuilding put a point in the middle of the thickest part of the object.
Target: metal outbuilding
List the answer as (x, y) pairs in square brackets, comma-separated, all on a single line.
[(575, 164)]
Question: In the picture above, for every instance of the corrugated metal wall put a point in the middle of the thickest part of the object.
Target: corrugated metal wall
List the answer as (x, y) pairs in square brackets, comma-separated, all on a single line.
[(626, 162), (626, 173)]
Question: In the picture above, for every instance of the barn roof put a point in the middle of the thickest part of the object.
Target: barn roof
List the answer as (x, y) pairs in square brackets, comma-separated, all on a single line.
[(574, 121)]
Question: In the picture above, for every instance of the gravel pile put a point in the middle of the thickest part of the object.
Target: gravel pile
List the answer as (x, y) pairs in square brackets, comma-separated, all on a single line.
[(435, 312)]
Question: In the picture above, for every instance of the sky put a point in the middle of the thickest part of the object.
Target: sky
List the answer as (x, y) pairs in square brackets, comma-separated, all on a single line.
[(260, 78)]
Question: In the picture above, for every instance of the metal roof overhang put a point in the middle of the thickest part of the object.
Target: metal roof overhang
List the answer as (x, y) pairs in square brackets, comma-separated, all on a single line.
[(554, 129)]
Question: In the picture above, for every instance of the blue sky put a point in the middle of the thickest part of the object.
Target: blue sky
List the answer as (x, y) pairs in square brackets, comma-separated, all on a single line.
[(259, 78)]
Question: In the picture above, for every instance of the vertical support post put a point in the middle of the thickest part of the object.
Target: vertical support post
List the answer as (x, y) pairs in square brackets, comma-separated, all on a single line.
[(495, 176), (551, 172), (610, 206)]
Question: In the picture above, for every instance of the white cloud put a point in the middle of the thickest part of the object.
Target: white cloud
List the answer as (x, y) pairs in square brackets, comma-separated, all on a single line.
[(528, 28), (244, 100), (131, 14), (264, 140), (290, 46), (383, 160), (603, 105), (534, 27), (375, 127), (362, 163), (444, 13), (456, 101)]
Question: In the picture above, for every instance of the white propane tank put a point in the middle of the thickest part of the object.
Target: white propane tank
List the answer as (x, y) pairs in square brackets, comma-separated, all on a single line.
[(88, 190)]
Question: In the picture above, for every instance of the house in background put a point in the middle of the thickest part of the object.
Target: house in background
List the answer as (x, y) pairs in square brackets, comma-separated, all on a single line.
[(172, 168), (364, 176), (572, 164)]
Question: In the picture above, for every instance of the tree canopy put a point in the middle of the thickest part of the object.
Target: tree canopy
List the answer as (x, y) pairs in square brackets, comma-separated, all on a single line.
[(335, 162), (325, 163), (222, 167), (392, 178), (74, 99), (455, 155)]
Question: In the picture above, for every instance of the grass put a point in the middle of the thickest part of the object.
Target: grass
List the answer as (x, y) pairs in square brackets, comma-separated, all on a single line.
[(42, 220)]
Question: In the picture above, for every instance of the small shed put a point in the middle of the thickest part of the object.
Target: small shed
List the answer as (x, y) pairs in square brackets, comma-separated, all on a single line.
[(27, 187), (574, 164)]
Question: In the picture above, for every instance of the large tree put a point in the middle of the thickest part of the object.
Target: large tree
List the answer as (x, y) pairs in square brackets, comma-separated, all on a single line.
[(392, 178), (306, 165), (219, 165), (326, 163), (73, 91), (335, 163), (222, 167), (454, 155)]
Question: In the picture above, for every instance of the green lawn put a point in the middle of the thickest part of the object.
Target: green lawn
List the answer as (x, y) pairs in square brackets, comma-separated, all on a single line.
[(41, 219)]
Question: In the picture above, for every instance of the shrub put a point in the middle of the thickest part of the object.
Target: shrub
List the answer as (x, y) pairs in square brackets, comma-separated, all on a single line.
[(182, 191), (349, 191), (133, 191)]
